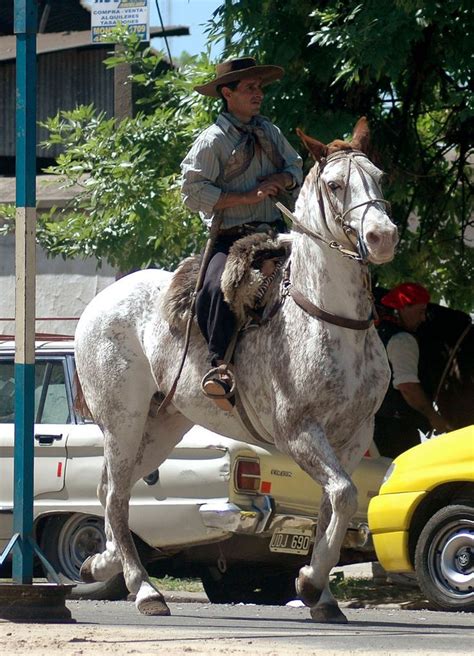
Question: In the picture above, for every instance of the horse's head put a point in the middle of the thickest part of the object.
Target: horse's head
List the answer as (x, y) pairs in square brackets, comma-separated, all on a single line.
[(353, 210)]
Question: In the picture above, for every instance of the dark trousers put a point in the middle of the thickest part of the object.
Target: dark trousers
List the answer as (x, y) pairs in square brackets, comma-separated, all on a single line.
[(394, 435), (215, 318)]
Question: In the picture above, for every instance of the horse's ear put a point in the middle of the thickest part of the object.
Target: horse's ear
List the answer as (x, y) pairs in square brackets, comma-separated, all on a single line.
[(316, 148), (361, 135)]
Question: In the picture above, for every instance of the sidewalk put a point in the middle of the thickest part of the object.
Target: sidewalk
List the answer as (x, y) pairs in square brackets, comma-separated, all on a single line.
[(355, 571)]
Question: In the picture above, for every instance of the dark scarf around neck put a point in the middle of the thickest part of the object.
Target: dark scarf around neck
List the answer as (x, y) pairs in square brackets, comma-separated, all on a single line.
[(252, 135)]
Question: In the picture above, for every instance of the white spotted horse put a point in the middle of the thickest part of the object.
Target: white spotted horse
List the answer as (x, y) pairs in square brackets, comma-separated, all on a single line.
[(316, 372)]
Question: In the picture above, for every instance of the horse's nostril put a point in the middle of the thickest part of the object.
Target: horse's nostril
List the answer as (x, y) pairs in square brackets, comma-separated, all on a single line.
[(372, 237)]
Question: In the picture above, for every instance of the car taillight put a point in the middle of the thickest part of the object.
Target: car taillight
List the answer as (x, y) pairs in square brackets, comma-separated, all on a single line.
[(247, 475)]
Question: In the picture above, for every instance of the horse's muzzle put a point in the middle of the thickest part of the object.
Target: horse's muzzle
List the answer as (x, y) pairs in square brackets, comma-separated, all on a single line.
[(381, 243)]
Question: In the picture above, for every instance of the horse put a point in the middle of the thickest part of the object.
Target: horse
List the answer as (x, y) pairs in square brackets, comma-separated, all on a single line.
[(314, 384), (446, 368)]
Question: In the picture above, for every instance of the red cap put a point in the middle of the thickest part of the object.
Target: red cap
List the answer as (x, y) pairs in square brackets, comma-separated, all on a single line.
[(408, 293)]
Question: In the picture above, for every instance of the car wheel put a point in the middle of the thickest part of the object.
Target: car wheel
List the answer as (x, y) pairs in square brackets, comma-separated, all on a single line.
[(66, 541), (444, 558), (240, 585)]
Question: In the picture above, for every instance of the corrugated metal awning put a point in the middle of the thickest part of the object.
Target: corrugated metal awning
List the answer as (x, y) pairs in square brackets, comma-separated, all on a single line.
[(53, 42)]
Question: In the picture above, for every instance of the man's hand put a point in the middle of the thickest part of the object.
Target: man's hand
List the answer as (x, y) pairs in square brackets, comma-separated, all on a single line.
[(416, 398), (439, 424), (270, 185), (282, 180), (262, 191), (253, 197)]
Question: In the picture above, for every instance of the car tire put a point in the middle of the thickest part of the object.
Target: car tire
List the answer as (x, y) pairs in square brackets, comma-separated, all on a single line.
[(66, 541), (240, 585), (444, 558)]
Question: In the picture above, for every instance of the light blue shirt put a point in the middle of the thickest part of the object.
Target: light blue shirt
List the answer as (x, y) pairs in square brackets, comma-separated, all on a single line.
[(203, 169)]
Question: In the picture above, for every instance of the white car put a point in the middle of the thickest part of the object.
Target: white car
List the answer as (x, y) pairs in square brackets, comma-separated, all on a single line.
[(214, 509)]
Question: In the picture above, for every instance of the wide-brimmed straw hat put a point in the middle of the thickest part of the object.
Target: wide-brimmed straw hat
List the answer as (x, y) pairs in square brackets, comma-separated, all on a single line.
[(239, 69)]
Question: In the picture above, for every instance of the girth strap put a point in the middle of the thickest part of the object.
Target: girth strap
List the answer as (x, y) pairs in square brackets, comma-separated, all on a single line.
[(240, 413), (319, 313)]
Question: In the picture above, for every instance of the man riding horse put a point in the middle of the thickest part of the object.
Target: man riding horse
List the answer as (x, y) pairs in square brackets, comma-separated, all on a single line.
[(232, 173), (313, 375)]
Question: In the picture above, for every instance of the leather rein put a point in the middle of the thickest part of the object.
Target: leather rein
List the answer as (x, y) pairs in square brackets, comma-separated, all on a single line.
[(360, 252)]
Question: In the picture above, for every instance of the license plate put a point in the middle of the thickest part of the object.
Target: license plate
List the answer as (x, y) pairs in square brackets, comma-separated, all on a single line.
[(291, 542)]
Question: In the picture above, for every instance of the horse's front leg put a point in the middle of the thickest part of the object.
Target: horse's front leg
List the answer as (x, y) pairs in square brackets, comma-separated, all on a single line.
[(311, 450), (326, 609)]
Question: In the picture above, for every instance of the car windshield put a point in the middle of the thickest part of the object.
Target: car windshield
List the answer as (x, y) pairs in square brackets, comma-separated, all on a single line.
[(51, 404)]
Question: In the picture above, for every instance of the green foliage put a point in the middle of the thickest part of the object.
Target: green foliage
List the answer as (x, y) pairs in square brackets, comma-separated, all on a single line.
[(174, 584), (129, 210), (405, 64), (7, 219), (366, 590)]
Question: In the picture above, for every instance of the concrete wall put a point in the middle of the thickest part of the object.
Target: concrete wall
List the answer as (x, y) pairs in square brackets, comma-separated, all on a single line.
[(63, 288)]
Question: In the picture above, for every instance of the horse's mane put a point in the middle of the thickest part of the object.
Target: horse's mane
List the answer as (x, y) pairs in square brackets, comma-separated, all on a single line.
[(338, 144)]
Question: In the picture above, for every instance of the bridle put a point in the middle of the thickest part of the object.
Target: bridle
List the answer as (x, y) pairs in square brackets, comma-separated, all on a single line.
[(360, 250), (324, 192)]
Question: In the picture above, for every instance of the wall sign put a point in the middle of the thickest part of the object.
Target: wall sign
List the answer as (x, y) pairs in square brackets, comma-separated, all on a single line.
[(106, 14)]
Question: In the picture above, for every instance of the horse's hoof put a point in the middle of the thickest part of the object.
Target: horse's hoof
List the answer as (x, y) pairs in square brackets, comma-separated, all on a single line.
[(307, 591), (86, 570), (154, 604), (328, 614)]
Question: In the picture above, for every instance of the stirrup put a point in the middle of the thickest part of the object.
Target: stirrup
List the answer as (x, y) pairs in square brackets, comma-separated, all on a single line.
[(218, 390)]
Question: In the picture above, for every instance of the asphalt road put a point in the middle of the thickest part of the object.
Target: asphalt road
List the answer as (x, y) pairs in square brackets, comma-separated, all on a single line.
[(203, 628)]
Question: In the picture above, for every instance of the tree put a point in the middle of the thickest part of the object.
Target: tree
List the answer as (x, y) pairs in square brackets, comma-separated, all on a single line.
[(129, 211), (405, 64)]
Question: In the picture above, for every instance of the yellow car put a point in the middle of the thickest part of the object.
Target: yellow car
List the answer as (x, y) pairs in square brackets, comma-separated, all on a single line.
[(423, 518)]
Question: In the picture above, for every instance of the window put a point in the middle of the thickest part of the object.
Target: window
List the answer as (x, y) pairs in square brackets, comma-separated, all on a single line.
[(7, 393), (51, 403)]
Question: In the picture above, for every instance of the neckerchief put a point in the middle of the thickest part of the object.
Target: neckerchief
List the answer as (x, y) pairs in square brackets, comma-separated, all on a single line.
[(252, 134)]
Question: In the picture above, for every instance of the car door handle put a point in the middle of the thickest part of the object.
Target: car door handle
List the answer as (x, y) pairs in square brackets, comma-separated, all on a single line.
[(48, 439)]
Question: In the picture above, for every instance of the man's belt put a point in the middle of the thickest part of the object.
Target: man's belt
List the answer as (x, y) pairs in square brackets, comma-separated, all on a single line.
[(252, 227)]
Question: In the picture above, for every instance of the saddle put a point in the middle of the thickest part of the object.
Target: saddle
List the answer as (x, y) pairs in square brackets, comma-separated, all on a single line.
[(246, 289)]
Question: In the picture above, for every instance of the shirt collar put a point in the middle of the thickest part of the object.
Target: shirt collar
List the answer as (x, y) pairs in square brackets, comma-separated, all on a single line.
[(224, 122)]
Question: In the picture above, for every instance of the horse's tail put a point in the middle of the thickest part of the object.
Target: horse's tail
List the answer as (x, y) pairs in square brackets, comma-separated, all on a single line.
[(80, 405)]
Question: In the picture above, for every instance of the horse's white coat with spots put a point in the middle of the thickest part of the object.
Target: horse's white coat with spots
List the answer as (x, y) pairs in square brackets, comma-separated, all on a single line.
[(316, 386)]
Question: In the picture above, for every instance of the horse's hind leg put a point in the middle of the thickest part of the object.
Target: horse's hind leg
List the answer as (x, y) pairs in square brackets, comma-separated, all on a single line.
[(108, 563), (126, 465), (161, 435), (134, 443)]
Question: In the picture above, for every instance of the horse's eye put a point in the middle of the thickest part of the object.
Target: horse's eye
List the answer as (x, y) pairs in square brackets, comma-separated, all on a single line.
[(333, 185)]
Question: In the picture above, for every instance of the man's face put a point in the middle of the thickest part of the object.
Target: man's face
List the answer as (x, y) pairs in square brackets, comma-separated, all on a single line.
[(245, 101), (412, 316)]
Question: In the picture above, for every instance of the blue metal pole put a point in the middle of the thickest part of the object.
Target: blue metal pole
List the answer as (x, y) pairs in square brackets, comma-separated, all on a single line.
[(26, 12)]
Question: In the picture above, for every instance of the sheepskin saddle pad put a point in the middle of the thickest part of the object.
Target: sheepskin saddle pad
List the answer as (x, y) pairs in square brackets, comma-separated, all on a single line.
[(244, 286)]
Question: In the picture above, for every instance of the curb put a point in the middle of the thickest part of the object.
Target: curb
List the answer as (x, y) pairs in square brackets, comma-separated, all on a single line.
[(183, 597), (180, 597)]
